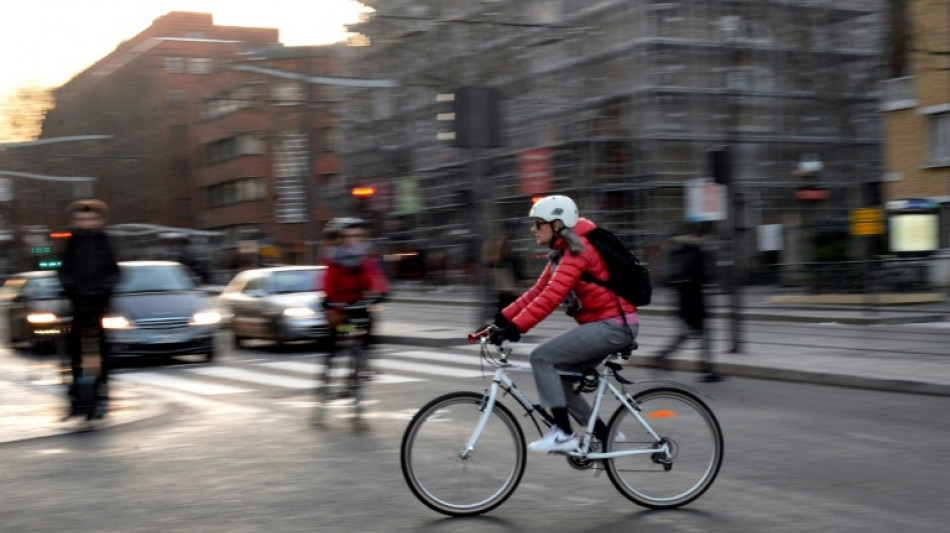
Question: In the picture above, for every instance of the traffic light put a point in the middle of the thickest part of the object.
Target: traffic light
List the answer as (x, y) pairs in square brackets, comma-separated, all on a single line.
[(362, 196), (719, 166), (363, 192)]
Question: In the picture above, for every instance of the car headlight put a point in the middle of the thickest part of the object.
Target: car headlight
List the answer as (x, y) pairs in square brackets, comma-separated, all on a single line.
[(299, 312), (205, 318), (41, 318), (115, 322)]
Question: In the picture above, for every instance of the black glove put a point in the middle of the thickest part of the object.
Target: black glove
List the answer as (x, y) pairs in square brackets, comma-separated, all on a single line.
[(501, 321), (507, 333)]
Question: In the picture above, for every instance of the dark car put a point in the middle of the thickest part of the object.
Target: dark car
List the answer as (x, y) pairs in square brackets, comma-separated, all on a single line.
[(38, 312), (157, 309), (282, 304)]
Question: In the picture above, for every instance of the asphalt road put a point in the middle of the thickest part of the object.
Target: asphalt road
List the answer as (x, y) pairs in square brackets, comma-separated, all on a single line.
[(798, 458)]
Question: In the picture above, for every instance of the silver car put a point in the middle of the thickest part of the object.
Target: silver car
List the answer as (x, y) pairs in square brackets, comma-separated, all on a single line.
[(157, 309), (282, 304)]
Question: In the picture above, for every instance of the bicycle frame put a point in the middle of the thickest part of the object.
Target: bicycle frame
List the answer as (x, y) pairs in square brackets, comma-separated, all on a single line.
[(501, 381)]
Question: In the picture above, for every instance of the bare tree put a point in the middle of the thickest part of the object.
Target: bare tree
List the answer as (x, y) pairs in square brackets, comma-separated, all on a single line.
[(22, 112)]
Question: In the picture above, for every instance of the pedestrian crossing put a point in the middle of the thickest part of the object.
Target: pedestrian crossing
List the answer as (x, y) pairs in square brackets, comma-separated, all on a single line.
[(233, 377)]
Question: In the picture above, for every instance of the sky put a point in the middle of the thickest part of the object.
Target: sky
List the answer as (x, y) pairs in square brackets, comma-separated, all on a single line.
[(46, 42)]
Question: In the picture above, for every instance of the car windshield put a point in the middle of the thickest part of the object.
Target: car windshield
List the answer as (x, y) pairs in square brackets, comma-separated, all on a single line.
[(45, 288), (154, 278), (297, 281)]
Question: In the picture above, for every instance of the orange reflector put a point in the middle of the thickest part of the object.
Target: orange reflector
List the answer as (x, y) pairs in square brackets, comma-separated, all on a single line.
[(662, 414), (60, 235)]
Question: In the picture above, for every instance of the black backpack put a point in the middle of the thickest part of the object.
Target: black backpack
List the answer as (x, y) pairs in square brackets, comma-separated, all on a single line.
[(628, 278)]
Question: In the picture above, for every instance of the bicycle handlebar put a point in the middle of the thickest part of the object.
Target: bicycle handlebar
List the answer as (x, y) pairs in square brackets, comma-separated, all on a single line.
[(479, 335)]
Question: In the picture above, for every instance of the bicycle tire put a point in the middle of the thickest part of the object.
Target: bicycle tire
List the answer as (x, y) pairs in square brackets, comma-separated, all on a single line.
[(357, 387), (659, 481), (431, 460)]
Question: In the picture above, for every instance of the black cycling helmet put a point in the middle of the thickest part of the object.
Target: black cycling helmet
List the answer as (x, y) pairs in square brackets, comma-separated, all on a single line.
[(333, 228)]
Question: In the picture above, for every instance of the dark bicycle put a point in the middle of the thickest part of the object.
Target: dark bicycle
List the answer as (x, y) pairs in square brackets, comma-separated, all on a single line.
[(346, 367)]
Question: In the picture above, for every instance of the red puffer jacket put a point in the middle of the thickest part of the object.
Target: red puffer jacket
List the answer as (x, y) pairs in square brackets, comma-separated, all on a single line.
[(597, 303)]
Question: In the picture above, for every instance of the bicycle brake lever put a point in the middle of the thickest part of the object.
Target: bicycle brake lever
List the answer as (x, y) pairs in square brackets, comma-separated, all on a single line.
[(616, 369)]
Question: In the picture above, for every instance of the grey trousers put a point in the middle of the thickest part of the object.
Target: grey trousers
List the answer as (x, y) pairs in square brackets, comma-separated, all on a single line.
[(575, 350)]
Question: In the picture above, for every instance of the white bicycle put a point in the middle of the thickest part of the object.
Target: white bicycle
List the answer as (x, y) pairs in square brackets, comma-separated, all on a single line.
[(464, 453)]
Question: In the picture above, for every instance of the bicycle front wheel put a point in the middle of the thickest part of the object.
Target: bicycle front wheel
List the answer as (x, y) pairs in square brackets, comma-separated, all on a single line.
[(446, 476), (689, 432)]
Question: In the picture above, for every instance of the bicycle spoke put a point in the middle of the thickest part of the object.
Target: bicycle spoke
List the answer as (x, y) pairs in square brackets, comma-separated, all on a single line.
[(686, 460), (437, 472)]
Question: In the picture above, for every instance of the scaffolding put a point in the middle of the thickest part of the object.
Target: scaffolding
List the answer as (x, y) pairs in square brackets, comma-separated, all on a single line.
[(629, 96)]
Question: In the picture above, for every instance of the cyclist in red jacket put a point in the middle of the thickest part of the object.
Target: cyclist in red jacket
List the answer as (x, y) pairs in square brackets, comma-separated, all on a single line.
[(607, 323), (353, 274)]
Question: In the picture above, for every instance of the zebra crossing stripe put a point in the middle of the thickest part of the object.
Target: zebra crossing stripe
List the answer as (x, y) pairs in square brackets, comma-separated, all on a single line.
[(441, 357), (179, 383), (239, 374), (314, 369), (422, 368)]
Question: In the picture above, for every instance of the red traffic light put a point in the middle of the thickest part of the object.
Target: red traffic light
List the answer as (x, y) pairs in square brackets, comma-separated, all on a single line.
[(363, 192)]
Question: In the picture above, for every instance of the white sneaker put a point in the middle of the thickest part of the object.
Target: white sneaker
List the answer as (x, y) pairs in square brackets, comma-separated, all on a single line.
[(555, 441)]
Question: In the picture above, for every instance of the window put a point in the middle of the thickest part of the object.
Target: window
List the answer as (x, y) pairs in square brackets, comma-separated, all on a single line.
[(199, 65), (235, 191), (220, 151), (288, 93), (174, 64), (940, 139), (250, 144)]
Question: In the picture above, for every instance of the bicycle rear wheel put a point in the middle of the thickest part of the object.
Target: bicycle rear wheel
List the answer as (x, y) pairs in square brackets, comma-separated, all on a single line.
[(665, 480), (438, 469)]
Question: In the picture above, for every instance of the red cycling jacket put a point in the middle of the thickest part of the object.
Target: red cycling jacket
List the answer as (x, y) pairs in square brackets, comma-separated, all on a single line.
[(554, 284), (347, 285)]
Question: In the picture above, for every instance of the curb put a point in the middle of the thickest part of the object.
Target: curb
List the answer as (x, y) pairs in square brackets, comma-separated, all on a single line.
[(734, 369), (749, 313)]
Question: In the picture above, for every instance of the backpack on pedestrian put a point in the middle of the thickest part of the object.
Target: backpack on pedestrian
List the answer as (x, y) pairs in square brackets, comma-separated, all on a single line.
[(628, 278)]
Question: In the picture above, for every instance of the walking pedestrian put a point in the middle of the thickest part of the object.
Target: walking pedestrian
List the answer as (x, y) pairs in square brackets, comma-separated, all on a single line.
[(88, 274), (688, 270)]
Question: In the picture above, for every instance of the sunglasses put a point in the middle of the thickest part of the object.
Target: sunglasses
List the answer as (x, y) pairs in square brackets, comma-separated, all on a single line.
[(539, 223)]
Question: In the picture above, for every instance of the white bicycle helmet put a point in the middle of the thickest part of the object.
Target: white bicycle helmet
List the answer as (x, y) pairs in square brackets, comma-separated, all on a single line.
[(557, 207)]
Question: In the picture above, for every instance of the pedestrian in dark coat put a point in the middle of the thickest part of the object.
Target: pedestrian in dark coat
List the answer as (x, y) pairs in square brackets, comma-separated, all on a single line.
[(688, 269), (88, 274)]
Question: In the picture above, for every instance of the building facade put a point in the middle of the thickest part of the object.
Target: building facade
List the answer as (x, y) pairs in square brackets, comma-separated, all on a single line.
[(207, 133), (617, 103), (916, 106)]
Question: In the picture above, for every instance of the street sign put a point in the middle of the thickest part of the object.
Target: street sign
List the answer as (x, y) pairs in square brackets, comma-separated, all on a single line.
[(867, 221), (705, 200)]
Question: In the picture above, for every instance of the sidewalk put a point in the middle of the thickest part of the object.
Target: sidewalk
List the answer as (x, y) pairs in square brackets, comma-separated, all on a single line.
[(32, 406), (902, 372)]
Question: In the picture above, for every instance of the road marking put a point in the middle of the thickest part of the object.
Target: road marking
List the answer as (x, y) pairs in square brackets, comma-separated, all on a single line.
[(239, 374), (315, 369), (443, 357), (440, 357), (180, 383), (421, 368)]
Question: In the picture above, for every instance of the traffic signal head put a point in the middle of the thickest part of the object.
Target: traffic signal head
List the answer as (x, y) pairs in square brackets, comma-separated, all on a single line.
[(363, 192)]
